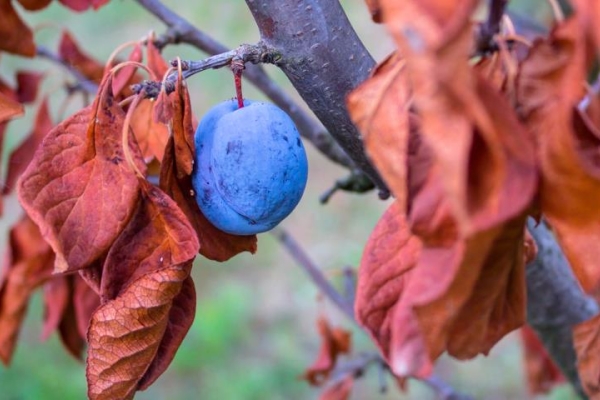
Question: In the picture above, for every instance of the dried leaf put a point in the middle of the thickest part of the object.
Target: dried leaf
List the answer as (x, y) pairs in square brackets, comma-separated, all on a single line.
[(334, 341), (34, 5), (15, 36), (56, 296), (79, 189), (70, 335), (22, 155), (214, 243), (70, 52), (586, 338), (156, 62), (85, 300), (126, 75), (30, 265), (28, 84), (157, 235), (183, 130), (550, 87), (152, 136), (83, 5), (379, 107), (131, 327), (375, 10), (542, 373), (9, 108)]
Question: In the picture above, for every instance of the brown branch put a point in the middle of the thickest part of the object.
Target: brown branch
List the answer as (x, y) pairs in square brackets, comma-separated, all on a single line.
[(181, 31), (82, 82), (485, 42)]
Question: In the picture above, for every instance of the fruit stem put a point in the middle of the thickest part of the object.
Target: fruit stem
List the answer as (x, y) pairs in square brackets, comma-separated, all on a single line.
[(237, 66)]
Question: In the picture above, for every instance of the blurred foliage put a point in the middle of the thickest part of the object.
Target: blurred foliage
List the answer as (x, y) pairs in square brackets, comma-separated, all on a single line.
[(254, 332)]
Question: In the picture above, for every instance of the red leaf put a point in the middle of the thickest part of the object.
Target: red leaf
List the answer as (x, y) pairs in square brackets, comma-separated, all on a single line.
[(156, 62), (15, 36), (9, 108), (79, 189), (131, 327), (56, 297), (157, 235), (83, 5), (375, 10), (22, 155), (30, 265), (126, 75), (183, 130), (28, 84), (69, 51), (152, 136), (34, 5), (586, 337), (68, 328), (85, 300), (334, 341)]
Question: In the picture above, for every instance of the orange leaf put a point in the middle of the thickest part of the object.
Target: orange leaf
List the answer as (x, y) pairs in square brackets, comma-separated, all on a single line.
[(126, 75), (157, 235), (152, 136), (156, 62), (334, 341), (379, 107), (183, 130), (15, 36), (69, 51), (56, 296), (79, 189), (550, 87), (30, 265), (131, 327), (586, 338), (22, 155), (9, 108)]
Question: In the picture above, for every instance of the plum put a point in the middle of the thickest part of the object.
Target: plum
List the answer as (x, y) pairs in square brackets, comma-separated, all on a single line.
[(250, 168)]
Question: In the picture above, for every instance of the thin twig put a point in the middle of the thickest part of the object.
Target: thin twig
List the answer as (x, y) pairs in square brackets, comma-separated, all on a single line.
[(82, 82), (491, 26), (313, 271), (357, 366), (181, 31)]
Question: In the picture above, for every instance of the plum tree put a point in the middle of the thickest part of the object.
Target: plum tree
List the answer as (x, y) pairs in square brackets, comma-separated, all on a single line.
[(250, 166)]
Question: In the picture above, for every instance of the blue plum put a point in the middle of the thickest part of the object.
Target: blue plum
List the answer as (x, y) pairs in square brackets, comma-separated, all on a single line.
[(250, 169)]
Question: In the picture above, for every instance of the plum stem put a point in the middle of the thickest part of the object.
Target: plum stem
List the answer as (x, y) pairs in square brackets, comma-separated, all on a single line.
[(237, 67)]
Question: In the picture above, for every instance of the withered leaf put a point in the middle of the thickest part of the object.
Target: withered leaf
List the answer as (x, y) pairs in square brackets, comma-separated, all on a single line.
[(152, 136), (82, 5), (375, 10), (132, 328), (156, 62), (126, 76), (79, 189), (550, 87), (57, 294), (28, 84), (68, 329), (22, 155), (334, 341), (586, 338), (214, 243), (157, 235), (183, 130), (69, 51), (380, 109), (15, 36), (9, 108), (85, 301), (34, 5), (30, 265)]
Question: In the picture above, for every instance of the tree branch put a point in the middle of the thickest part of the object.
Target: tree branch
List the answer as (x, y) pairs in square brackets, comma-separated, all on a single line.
[(181, 31), (324, 59), (485, 37), (556, 302), (82, 82), (358, 365)]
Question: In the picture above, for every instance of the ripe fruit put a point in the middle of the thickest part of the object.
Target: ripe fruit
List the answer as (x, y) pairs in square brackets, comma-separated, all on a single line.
[(250, 167)]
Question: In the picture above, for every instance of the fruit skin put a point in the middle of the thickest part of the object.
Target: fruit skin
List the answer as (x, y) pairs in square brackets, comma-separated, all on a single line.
[(250, 168)]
